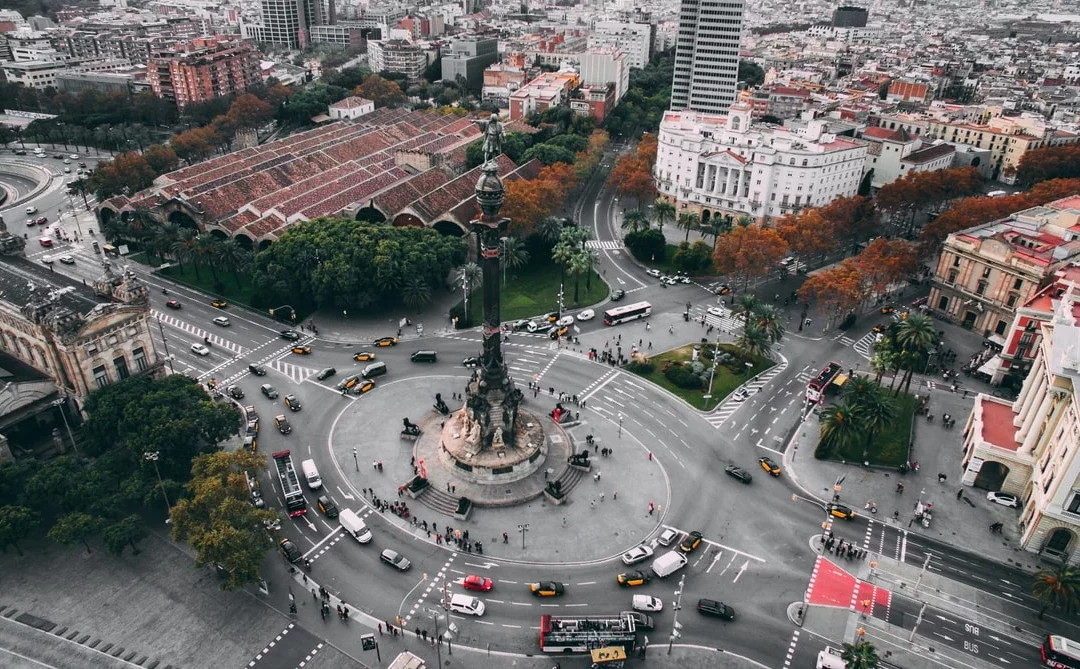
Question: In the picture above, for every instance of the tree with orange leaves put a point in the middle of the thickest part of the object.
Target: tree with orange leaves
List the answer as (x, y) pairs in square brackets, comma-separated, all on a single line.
[(647, 147), (853, 219), (1049, 162), (837, 291), (748, 252), (807, 233), (632, 177), (885, 262), (526, 205)]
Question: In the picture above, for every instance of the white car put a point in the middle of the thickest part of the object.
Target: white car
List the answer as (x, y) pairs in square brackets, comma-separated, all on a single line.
[(1004, 499), (222, 321), (740, 395), (653, 272), (637, 554), (67, 260), (74, 156), (683, 278), (667, 537), (647, 603), (716, 311), (200, 349), (586, 315), (670, 280), (564, 321), (31, 210), (533, 326)]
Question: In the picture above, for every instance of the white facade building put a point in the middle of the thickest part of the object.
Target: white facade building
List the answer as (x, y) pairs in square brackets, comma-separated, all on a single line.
[(635, 39), (350, 108), (399, 56), (707, 55), (603, 66), (713, 163)]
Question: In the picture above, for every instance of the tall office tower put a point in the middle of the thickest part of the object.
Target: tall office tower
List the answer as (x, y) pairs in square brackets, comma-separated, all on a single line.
[(707, 55)]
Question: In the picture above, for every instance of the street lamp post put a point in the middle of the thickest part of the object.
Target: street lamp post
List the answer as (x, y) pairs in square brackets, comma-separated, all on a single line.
[(153, 457), (523, 529), (620, 426), (434, 615), (356, 462), (60, 404), (675, 626), (165, 343), (562, 305)]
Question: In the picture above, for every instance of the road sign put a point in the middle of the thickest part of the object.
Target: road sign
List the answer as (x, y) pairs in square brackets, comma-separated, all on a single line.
[(367, 642)]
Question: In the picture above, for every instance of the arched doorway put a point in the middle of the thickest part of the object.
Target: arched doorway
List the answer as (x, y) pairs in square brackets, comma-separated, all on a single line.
[(370, 215), (991, 476), (106, 215), (449, 228), (183, 220), (1059, 544), (705, 216), (219, 235), (264, 244), (244, 242), (408, 221)]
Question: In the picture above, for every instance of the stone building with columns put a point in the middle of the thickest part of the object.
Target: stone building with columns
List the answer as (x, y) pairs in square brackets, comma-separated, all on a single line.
[(1030, 447), (716, 164)]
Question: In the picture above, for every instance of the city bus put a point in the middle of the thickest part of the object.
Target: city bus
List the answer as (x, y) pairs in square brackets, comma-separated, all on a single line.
[(627, 313), (1060, 653)]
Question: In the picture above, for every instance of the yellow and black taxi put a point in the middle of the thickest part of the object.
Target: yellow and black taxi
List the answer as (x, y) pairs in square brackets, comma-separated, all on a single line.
[(290, 550), (327, 507), (692, 541), (301, 350), (364, 356), (769, 466), (551, 317), (252, 426), (841, 511), (251, 443), (547, 589), (363, 385), (219, 304), (383, 342), (282, 424), (632, 579), (292, 403), (558, 331), (251, 413)]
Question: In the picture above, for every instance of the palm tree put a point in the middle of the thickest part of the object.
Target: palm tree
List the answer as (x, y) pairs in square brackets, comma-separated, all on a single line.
[(115, 229), (231, 255), (840, 426), (589, 257), (183, 249), (719, 225), (563, 253), (205, 251), (874, 409), (577, 267), (514, 254), (664, 211), (915, 335), (745, 221), (688, 220), (881, 361), (549, 229), (746, 304), (860, 655), (770, 318), (416, 292), (164, 235), (469, 276), (635, 220), (1058, 588), (754, 340)]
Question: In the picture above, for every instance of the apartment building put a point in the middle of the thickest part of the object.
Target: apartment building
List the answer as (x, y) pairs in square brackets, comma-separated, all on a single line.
[(42, 74), (715, 164), (986, 272), (707, 55), (633, 39), (893, 154), (546, 91), (203, 69), (1029, 447), (602, 66), (400, 56), (500, 81), (1007, 138), (468, 57)]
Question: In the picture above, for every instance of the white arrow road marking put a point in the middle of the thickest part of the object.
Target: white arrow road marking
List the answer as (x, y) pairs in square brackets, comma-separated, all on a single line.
[(486, 565), (715, 560), (743, 568), (344, 494)]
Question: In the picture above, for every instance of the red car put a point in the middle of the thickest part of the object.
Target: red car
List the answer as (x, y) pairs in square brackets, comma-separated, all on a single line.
[(173, 304), (478, 583)]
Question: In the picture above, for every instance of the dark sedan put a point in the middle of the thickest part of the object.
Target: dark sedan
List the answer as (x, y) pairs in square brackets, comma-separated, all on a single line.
[(711, 607), (738, 473)]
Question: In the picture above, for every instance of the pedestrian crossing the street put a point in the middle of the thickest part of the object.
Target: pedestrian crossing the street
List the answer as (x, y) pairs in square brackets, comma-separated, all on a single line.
[(728, 407), (199, 333), (604, 245)]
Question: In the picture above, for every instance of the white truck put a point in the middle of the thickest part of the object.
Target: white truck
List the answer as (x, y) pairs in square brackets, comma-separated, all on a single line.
[(668, 563), (354, 525)]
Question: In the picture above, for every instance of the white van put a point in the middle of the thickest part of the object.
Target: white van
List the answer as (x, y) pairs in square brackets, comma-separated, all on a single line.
[(467, 604), (311, 474), (830, 658), (354, 525), (668, 563)]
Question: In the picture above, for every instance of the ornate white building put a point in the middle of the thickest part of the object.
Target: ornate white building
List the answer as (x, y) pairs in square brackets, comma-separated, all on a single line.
[(721, 164), (1029, 447)]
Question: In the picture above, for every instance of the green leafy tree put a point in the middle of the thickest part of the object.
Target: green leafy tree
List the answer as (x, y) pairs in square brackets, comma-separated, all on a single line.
[(206, 252), (73, 528), (233, 257), (17, 523), (860, 655), (646, 245), (840, 428), (548, 154), (635, 220), (688, 220), (183, 249), (1057, 588), (747, 303), (549, 229), (217, 519), (664, 212), (126, 532), (416, 293), (469, 280)]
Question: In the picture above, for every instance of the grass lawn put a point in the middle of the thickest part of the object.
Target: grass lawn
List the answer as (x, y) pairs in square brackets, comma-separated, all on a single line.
[(723, 384), (891, 448), (534, 290)]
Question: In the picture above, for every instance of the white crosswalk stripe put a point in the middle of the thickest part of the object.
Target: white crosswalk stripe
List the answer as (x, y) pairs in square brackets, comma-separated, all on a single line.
[(199, 333), (729, 322), (605, 245), (863, 346), (846, 341), (297, 373), (729, 406)]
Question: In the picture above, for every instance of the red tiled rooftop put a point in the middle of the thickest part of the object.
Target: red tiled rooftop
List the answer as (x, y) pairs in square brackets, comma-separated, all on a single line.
[(997, 424)]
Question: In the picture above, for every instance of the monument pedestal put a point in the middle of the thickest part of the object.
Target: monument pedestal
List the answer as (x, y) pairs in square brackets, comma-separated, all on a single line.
[(461, 454)]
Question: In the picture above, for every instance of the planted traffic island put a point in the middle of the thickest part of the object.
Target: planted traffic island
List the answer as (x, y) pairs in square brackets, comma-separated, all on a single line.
[(686, 371), (860, 443)]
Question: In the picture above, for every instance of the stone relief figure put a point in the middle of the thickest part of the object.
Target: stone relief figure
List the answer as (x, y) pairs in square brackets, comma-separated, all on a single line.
[(497, 440), (472, 436)]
